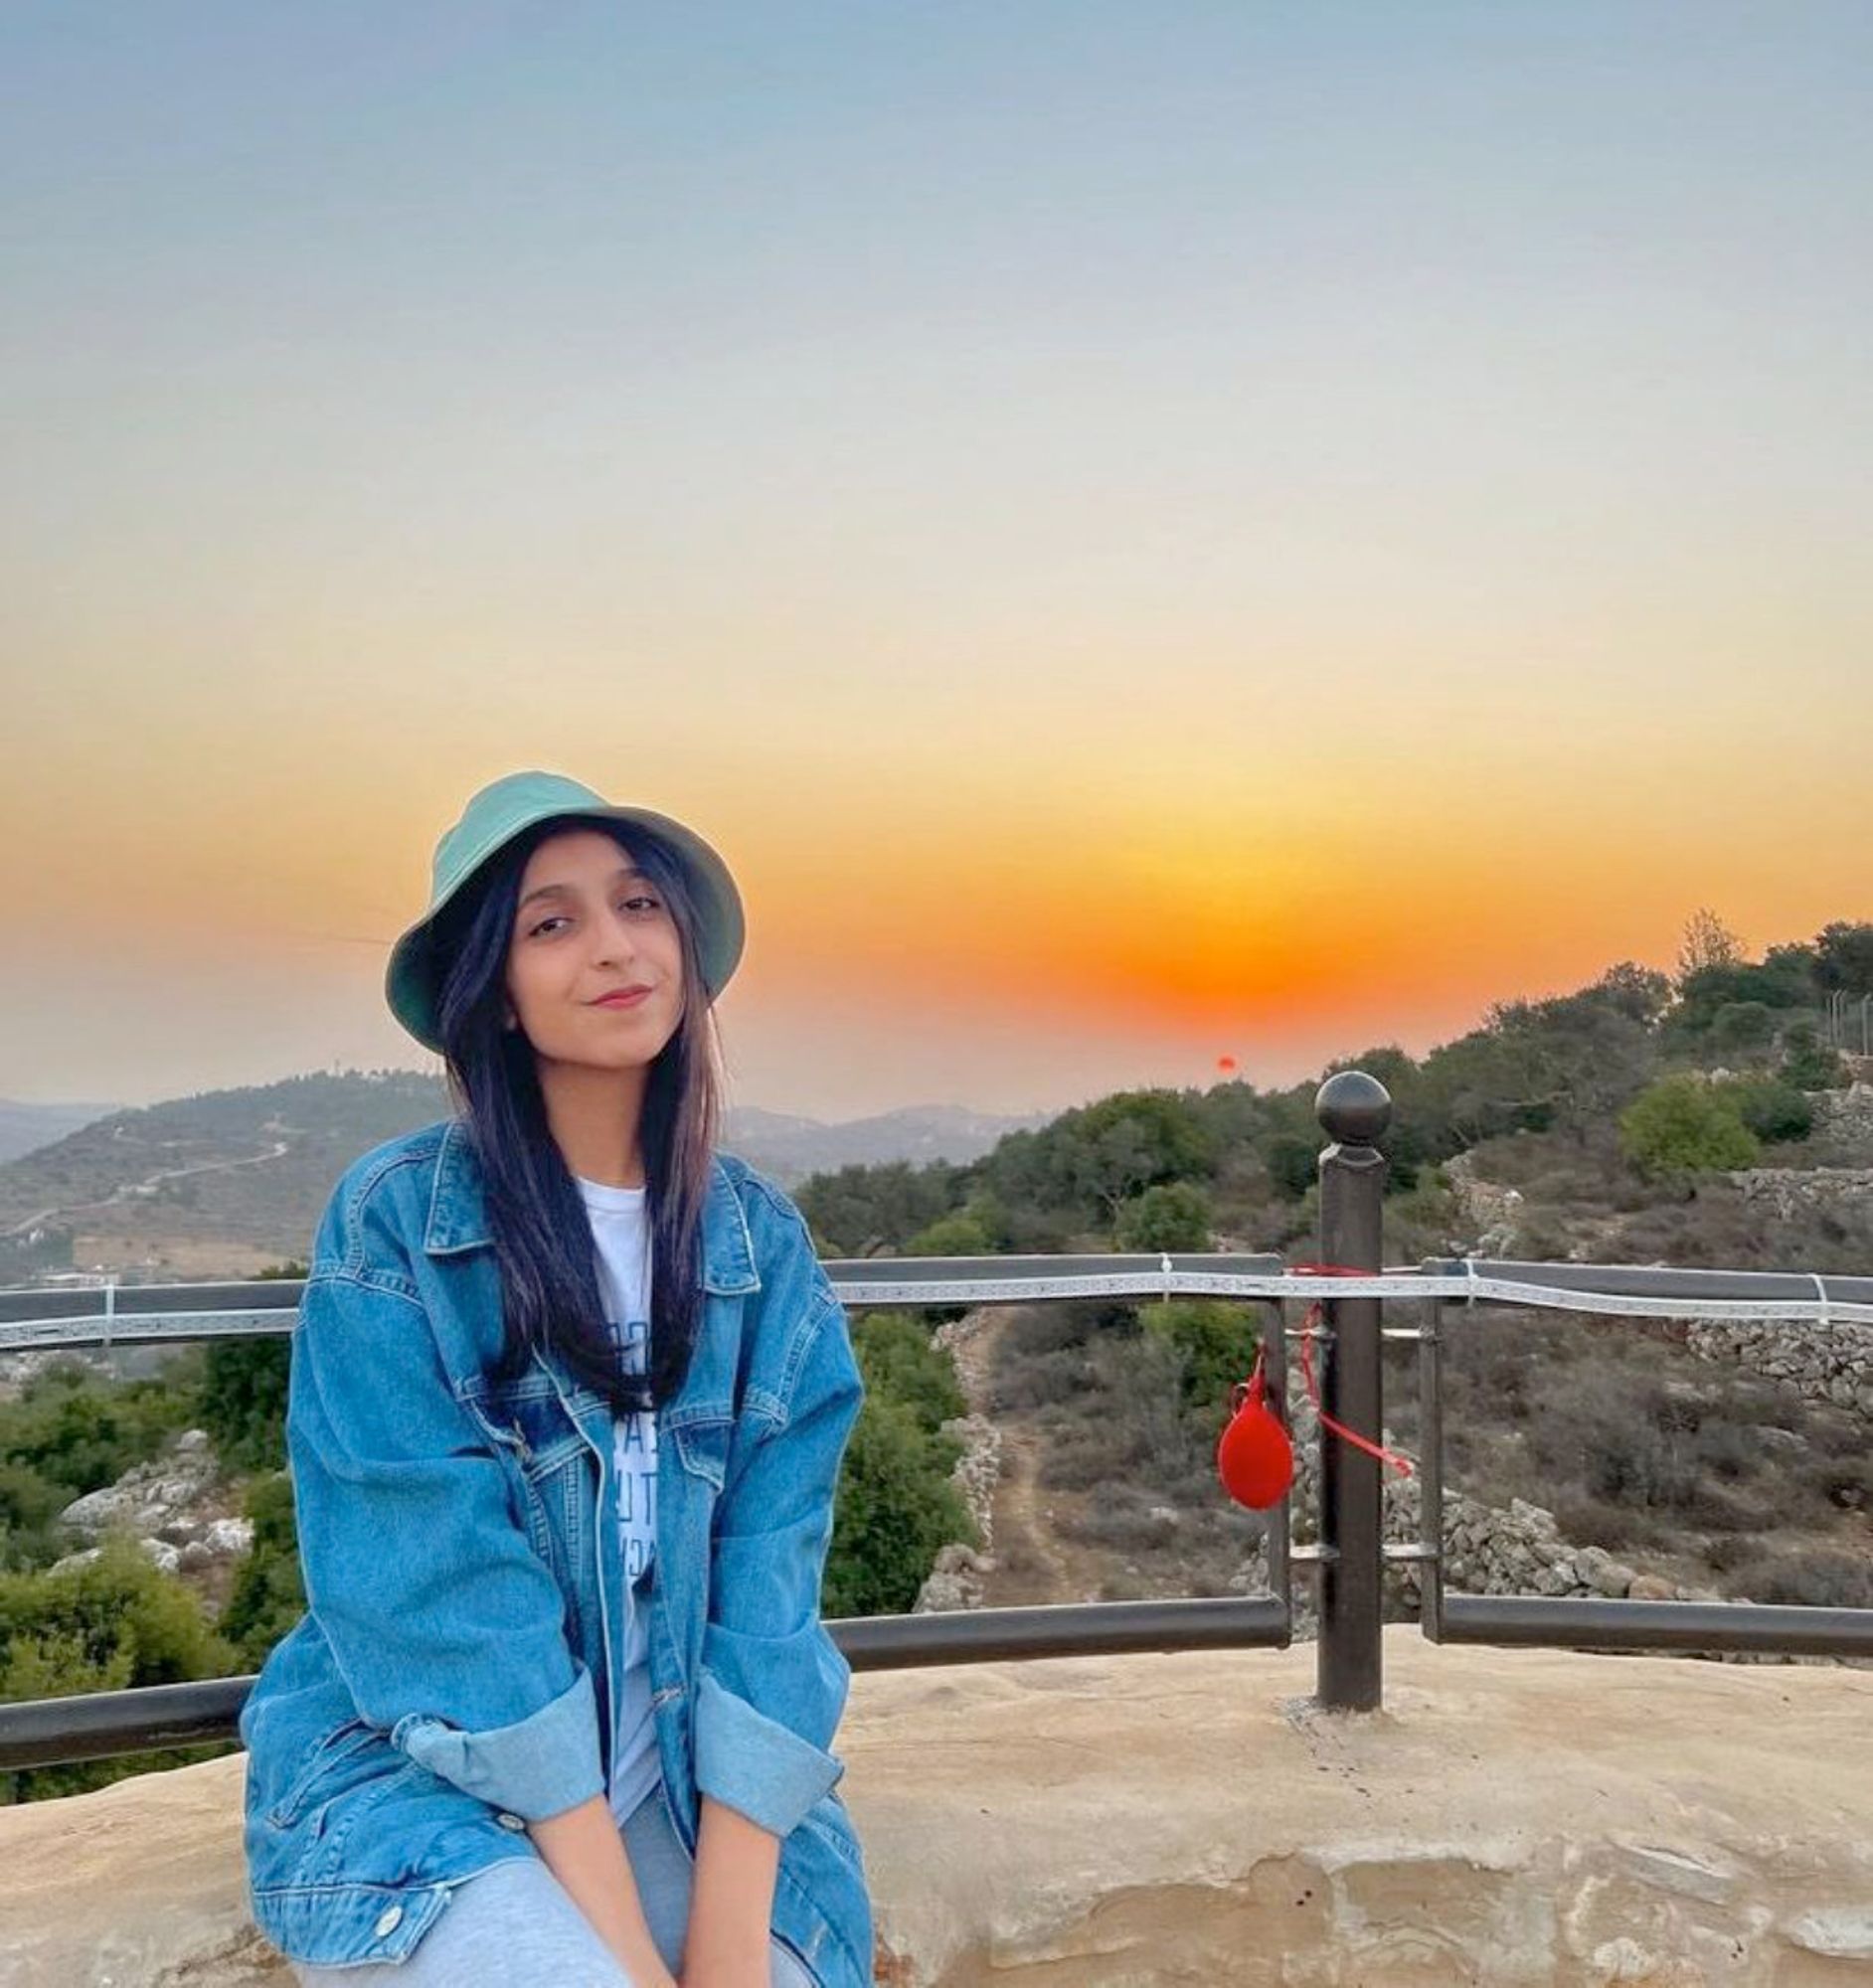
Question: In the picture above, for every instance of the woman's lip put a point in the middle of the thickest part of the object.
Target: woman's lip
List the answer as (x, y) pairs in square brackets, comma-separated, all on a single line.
[(622, 1000)]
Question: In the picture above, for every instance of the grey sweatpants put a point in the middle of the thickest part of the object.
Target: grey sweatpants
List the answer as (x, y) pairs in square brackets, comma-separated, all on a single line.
[(515, 1924)]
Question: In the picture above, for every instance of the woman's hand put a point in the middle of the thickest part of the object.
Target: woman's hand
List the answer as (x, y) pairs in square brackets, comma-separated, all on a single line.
[(759, 1975), (732, 1902), (583, 1849), (647, 1968)]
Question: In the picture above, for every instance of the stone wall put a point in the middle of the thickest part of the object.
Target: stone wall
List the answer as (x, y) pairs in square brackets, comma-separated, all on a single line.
[(1847, 1115), (1488, 1549), (1831, 1364), (1788, 1189), (955, 1577), (1488, 1210)]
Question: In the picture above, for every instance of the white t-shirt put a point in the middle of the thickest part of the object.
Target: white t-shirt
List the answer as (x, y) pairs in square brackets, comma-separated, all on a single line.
[(620, 1230)]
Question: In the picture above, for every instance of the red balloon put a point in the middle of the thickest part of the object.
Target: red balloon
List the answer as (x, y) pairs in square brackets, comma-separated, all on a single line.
[(1254, 1456)]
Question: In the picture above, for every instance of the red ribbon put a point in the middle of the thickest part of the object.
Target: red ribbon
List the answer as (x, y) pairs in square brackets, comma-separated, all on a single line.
[(1315, 1312)]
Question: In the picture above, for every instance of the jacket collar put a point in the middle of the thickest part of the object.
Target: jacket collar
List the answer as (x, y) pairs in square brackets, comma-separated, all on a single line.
[(458, 1217)]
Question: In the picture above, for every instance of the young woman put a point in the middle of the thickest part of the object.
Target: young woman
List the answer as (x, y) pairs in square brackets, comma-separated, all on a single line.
[(568, 1394)]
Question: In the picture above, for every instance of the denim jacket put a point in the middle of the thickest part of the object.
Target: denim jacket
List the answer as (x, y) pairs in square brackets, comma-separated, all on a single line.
[(455, 1675)]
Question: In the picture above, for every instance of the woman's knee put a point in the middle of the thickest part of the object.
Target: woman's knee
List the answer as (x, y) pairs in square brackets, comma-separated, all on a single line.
[(511, 1925)]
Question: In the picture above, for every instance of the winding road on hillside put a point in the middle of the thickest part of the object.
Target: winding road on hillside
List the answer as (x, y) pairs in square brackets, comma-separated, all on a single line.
[(134, 1188)]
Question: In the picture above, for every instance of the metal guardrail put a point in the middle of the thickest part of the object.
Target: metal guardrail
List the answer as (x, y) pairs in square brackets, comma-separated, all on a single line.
[(1348, 1562)]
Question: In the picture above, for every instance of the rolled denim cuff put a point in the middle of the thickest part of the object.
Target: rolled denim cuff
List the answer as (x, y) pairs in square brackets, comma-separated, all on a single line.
[(755, 1764), (538, 1766)]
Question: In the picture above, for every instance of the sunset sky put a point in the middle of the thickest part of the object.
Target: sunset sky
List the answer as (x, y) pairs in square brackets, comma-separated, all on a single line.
[(1141, 534)]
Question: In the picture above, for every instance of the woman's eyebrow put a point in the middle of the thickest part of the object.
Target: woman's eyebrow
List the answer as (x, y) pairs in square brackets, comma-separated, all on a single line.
[(628, 875)]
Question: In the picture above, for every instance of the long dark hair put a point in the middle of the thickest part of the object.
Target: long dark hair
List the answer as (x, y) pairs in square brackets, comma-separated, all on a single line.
[(542, 1234)]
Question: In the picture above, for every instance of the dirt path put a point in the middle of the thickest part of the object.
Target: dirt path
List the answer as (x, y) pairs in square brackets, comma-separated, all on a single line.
[(1033, 1562)]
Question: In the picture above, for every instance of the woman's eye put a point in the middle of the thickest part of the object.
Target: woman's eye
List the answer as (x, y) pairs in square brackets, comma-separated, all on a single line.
[(629, 905)]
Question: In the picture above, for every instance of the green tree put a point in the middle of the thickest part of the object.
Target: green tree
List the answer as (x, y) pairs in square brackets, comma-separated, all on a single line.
[(1705, 995), (243, 1393), (1641, 993), (1292, 1163), (1174, 1216), (1844, 958), (1796, 969), (951, 1235), (28, 1509), (863, 1210), (1742, 1028), (1092, 1159), (1682, 1125), (1218, 1342), (1707, 943)]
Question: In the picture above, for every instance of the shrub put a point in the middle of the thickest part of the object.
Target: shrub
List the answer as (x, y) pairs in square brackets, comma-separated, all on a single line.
[(244, 1400), (1124, 1525), (1846, 1482), (1728, 1452), (1726, 1555), (1591, 1521), (269, 1592), (1681, 1126), (108, 1624), (1216, 1341), (1807, 1063), (895, 1358), (28, 1509), (1173, 1216), (1125, 1421), (894, 1507), (1773, 1110), (80, 1430)]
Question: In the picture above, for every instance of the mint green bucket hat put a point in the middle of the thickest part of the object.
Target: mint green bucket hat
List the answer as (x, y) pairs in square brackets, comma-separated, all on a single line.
[(491, 820)]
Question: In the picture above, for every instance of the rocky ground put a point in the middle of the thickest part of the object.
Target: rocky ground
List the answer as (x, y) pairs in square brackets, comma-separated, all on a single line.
[(182, 1512)]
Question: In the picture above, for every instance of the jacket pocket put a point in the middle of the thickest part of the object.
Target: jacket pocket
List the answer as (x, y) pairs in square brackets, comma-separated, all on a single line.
[(338, 1744), (702, 1447), (528, 1422), (528, 1418)]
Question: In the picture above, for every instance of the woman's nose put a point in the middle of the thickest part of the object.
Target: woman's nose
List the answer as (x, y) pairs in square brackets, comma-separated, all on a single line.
[(612, 937)]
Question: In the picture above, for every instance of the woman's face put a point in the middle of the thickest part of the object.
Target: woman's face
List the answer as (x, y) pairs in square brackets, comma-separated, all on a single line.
[(589, 924)]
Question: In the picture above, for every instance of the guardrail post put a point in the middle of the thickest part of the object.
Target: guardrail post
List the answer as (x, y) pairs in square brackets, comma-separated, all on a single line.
[(1354, 1110)]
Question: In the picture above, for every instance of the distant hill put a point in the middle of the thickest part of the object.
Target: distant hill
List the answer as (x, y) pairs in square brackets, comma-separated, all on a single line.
[(23, 1127), (790, 1148), (225, 1183)]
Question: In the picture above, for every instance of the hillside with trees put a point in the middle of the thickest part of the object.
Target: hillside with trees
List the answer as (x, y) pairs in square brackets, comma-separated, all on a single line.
[(220, 1182), (1627, 1121)]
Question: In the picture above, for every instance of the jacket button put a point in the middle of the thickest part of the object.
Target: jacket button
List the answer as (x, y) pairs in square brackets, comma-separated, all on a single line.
[(389, 1922), (514, 1822)]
